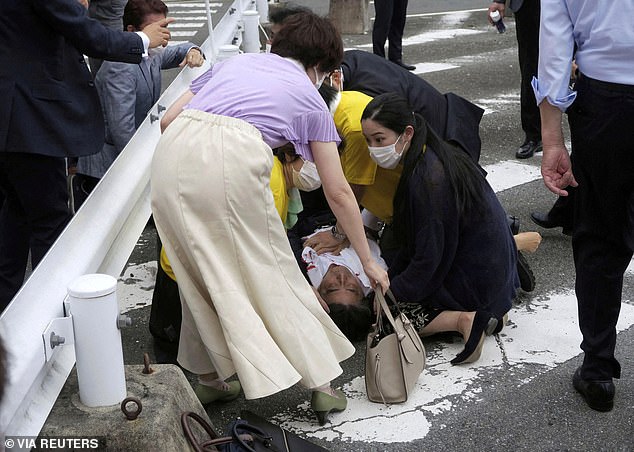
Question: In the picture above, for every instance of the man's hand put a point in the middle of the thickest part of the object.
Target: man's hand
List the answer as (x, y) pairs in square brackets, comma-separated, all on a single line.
[(556, 166), (194, 58), (325, 242), (557, 169), (158, 33), (495, 7)]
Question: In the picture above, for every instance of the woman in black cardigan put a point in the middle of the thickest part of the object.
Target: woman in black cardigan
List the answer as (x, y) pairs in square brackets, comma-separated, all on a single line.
[(455, 269)]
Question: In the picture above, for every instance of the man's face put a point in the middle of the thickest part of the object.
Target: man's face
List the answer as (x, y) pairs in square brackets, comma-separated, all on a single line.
[(340, 286)]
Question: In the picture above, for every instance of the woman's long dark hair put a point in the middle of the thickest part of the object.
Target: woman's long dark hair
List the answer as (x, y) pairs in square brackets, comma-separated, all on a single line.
[(393, 112)]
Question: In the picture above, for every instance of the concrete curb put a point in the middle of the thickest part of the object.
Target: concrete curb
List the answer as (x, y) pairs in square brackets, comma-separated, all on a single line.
[(164, 394)]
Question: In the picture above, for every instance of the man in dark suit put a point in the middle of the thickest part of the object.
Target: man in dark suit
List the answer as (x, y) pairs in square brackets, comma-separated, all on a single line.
[(455, 119), (526, 14), (109, 13), (389, 24), (49, 111)]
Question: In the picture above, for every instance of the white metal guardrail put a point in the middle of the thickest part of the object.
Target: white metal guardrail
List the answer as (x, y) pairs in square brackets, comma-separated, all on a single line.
[(99, 239)]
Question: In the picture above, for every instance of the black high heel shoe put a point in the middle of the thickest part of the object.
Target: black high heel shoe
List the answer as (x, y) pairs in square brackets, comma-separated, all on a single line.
[(496, 325), (473, 347), (322, 404)]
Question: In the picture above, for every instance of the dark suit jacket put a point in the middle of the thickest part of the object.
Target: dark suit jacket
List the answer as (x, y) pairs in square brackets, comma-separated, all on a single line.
[(48, 102), (455, 119)]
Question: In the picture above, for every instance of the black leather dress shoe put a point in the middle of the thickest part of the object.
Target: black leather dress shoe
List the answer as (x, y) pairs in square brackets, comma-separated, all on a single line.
[(528, 149), (544, 220), (599, 394), (409, 67)]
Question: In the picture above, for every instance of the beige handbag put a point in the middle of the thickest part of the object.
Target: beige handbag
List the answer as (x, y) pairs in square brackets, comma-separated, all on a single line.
[(394, 357)]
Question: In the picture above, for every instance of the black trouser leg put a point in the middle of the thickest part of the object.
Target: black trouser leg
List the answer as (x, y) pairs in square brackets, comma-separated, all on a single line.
[(34, 213), (382, 21), (603, 164), (395, 35), (527, 28), (562, 212)]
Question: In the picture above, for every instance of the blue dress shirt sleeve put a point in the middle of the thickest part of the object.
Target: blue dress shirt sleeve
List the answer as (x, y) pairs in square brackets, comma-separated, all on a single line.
[(556, 44)]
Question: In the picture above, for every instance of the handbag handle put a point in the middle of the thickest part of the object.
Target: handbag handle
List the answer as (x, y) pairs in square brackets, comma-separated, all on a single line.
[(386, 309), (251, 432), (388, 313), (185, 417)]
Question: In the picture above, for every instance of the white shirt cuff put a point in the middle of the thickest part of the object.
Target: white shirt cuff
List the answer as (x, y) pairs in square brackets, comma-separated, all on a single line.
[(146, 43)]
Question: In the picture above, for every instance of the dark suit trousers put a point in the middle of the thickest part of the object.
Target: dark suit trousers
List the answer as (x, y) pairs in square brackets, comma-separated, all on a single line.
[(34, 213), (562, 212), (527, 30), (389, 23), (603, 238)]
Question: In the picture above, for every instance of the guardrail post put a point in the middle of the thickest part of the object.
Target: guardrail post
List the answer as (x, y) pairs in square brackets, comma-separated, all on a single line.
[(98, 349), (251, 35)]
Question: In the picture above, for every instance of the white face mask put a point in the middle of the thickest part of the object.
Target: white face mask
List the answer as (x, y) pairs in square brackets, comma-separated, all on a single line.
[(307, 178), (319, 80), (386, 156)]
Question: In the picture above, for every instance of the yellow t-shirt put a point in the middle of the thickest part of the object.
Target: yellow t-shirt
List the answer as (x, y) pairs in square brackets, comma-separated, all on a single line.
[(280, 196), (278, 188), (380, 184)]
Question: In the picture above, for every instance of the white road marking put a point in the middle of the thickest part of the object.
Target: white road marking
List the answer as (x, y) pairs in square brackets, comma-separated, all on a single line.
[(462, 13), (200, 17), (432, 36), (509, 173), (425, 68), (193, 5), (187, 25), (184, 33), (542, 336)]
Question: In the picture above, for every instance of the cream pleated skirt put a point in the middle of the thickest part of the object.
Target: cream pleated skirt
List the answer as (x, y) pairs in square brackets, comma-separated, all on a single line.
[(247, 309)]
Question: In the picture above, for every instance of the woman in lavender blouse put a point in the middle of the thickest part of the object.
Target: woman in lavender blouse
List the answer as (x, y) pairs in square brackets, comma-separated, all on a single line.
[(247, 309)]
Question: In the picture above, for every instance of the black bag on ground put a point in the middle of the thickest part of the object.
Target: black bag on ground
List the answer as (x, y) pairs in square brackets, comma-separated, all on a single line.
[(249, 433)]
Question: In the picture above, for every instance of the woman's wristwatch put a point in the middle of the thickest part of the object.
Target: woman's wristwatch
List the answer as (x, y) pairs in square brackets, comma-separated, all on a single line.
[(336, 234)]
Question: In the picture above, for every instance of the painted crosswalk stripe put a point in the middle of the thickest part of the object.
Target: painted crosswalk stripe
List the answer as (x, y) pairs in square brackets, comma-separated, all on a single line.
[(186, 25), (197, 17), (184, 33), (432, 36), (192, 5)]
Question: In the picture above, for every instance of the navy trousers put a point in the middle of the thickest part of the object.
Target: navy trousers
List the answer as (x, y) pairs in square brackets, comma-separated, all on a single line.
[(33, 214), (603, 236), (389, 23), (527, 32)]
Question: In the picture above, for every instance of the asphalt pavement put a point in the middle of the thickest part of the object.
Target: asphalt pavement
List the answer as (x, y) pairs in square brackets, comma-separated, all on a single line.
[(519, 395)]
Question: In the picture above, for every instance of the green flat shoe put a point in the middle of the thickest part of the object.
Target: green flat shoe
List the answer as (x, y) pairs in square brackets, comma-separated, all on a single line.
[(207, 394), (322, 404)]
